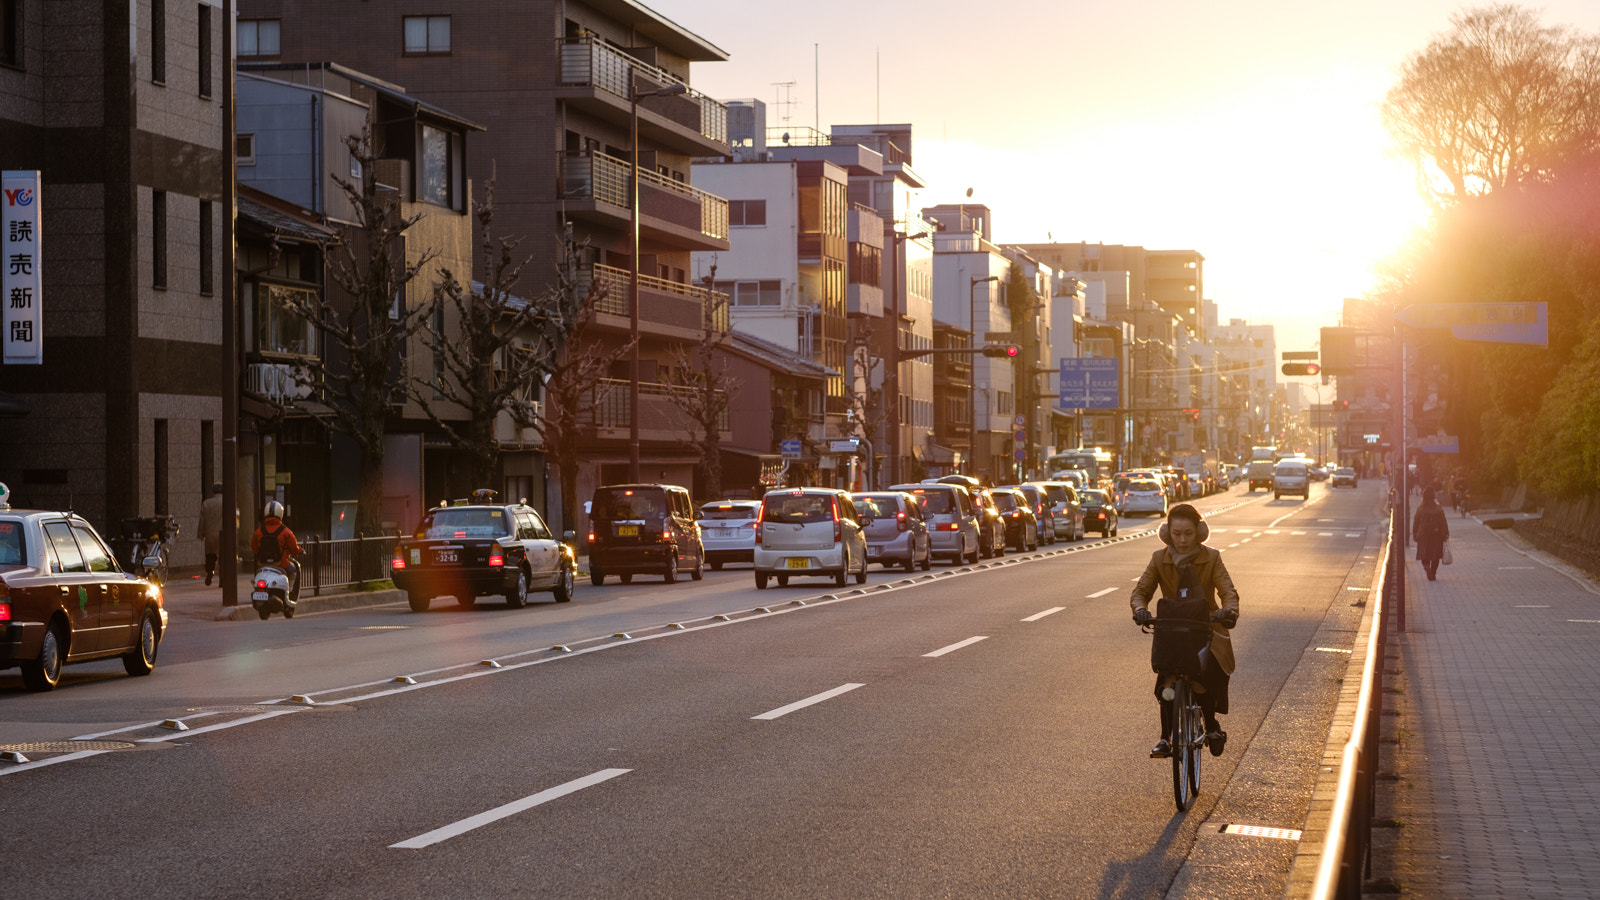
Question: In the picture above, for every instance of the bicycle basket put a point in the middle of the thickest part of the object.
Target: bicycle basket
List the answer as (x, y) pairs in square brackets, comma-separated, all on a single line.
[(1176, 646)]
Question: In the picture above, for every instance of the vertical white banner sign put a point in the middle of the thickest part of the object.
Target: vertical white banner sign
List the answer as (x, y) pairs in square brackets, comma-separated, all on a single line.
[(21, 269)]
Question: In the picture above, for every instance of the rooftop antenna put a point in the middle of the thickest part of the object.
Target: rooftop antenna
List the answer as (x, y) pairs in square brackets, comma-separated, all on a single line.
[(816, 87), (783, 99)]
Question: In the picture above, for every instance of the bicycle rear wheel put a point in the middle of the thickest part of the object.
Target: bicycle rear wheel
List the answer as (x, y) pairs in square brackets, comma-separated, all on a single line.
[(1184, 775)]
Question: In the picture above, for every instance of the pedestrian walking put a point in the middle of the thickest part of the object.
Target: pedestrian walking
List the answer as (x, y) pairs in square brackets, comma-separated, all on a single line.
[(1429, 531), (211, 528)]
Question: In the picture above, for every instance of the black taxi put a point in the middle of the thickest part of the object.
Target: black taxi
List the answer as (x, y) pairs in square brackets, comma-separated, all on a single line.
[(481, 547)]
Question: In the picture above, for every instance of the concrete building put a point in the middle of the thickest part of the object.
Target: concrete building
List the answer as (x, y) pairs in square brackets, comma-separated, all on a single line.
[(118, 108)]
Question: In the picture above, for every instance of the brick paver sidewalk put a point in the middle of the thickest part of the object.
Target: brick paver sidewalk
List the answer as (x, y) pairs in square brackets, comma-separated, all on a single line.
[(1495, 787)]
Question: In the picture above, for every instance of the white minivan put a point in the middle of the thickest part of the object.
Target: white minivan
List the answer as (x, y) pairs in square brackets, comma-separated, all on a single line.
[(1291, 476), (809, 531)]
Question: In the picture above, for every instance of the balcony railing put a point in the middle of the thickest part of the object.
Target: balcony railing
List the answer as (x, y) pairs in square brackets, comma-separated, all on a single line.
[(609, 405), (595, 176), (688, 313), (806, 136), (588, 61)]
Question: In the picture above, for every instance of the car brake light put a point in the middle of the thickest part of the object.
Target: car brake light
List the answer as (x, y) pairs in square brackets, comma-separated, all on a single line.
[(399, 562), (497, 555), (261, 584), (900, 521), (5, 612), (591, 535), (950, 526)]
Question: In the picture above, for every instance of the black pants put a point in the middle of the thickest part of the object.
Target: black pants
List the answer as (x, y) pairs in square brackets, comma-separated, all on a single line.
[(1431, 566), (1212, 701), (211, 566)]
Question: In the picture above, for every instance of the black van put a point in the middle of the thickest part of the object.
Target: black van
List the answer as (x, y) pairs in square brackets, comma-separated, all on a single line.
[(643, 529)]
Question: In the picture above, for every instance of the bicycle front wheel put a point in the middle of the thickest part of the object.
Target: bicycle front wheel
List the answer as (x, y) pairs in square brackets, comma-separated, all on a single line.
[(1184, 777)]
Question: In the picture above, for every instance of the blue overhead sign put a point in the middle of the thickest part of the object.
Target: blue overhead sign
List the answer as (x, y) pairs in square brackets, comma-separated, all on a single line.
[(1089, 383)]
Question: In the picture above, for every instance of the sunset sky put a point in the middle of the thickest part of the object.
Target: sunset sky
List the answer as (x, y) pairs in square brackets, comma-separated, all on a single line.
[(1245, 129)]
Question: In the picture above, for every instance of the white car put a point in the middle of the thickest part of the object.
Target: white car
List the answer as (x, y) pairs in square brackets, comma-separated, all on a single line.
[(1291, 476), (1144, 495), (728, 531), (812, 531)]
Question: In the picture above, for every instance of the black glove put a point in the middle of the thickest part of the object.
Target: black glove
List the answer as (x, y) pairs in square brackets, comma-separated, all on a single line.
[(1142, 617), (1227, 618)]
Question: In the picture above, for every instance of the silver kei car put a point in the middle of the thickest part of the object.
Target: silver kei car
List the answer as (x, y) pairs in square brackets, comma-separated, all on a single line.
[(898, 534), (728, 531)]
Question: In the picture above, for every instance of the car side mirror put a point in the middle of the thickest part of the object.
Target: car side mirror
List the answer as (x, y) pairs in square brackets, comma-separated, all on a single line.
[(569, 536)]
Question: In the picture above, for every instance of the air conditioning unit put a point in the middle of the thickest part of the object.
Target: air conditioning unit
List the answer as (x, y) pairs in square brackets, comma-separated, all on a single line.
[(507, 432)]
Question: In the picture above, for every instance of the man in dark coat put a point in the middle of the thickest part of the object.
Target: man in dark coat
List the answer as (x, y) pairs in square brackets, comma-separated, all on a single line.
[(1430, 530)]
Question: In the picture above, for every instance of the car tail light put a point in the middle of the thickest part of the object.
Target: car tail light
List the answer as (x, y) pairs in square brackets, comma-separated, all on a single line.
[(5, 612), (591, 535), (900, 522), (1016, 514), (761, 515), (838, 524), (261, 584), (399, 562), (497, 555), (950, 526)]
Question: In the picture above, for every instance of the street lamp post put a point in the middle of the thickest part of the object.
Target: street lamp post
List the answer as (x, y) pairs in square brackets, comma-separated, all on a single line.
[(633, 272), (972, 326)]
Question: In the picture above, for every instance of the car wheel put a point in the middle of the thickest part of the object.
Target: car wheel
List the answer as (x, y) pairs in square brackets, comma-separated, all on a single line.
[(911, 559), (670, 576), (1277, 496), (861, 576), (44, 673), (927, 559), (419, 602), (783, 581), (566, 585), (596, 577), (1105, 533), (761, 581), (843, 574), (517, 598), (977, 553), (1115, 529), (699, 568), (141, 660)]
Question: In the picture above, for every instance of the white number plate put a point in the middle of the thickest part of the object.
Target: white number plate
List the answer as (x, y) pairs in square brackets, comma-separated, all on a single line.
[(259, 595), (443, 557), (874, 551)]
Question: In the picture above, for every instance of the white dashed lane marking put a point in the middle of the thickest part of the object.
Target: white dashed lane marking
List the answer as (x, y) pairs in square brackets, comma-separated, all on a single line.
[(809, 701), (510, 809), (1051, 611), (1102, 593), (958, 645)]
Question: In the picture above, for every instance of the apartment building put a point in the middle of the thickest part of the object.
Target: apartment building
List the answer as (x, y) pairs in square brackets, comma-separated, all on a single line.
[(559, 88), (112, 114)]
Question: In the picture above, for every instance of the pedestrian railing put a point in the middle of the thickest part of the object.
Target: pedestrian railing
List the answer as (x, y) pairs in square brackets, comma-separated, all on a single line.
[(1346, 858), (357, 560)]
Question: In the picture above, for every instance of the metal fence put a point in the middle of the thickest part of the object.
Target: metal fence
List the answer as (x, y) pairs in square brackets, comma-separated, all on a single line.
[(1346, 858), (329, 563)]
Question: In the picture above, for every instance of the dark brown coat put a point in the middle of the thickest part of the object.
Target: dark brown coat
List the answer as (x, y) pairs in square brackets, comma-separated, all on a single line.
[(1214, 582)]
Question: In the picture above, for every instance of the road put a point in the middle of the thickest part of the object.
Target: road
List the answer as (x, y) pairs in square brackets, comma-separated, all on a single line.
[(979, 732)]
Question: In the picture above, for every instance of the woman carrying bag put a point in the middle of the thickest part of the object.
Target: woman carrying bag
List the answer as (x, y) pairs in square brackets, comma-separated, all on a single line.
[(1430, 531)]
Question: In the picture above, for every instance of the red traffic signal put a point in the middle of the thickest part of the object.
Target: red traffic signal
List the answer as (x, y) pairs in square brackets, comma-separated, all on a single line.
[(1000, 351), (1301, 368)]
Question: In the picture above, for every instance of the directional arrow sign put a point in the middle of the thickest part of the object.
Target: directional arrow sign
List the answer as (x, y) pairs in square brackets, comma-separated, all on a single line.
[(1500, 323), (1089, 383)]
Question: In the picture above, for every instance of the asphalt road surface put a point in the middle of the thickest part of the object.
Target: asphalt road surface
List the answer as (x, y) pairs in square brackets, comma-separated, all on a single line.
[(967, 732)]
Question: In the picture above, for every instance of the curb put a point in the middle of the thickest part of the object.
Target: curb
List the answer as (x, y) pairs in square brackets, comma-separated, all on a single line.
[(325, 603)]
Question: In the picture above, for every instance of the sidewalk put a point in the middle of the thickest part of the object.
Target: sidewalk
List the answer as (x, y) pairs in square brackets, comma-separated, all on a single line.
[(187, 597), (1488, 785)]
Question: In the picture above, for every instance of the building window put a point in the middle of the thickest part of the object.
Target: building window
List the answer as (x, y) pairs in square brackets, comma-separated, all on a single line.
[(159, 476), (158, 239), (11, 33), (427, 35), (258, 37), (207, 265), (158, 41), (752, 293), (244, 149), (279, 327), (866, 264), (205, 50), (1002, 403), (747, 213), (440, 175)]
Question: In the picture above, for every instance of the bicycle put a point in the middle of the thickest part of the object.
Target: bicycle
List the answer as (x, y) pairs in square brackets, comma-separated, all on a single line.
[(1185, 638), (151, 538)]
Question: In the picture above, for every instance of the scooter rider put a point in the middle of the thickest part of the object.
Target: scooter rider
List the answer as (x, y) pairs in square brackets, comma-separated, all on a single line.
[(274, 545)]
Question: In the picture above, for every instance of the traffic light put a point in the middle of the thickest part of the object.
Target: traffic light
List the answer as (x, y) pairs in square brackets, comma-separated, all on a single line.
[(1193, 414), (1301, 368), (1000, 351), (1341, 405)]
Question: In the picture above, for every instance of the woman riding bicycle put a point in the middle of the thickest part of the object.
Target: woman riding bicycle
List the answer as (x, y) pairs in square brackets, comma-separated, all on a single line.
[(1184, 569)]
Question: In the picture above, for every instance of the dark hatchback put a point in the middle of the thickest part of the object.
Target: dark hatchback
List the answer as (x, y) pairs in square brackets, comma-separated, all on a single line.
[(480, 548), (644, 529), (1099, 513), (1017, 515), (63, 599)]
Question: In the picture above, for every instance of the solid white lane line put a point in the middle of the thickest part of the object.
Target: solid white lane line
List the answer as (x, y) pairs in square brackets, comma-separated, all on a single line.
[(1101, 593), (510, 809), (1037, 616), (802, 704), (958, 645)]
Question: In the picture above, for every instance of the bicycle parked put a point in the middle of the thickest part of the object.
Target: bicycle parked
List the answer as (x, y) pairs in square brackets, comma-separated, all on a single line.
[(150, 539)]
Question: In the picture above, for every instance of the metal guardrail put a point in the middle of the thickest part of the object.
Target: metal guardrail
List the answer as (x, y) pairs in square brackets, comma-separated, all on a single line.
[(335, 563), (1346, 857)]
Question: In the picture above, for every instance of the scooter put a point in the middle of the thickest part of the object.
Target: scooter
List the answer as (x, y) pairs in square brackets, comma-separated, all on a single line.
[(272, 593)]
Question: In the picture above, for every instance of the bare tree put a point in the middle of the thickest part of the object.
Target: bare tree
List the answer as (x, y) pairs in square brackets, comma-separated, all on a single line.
[(701, 388), (370, 325), (1499, 100), (574, 373), (864, 402), (488, 360)]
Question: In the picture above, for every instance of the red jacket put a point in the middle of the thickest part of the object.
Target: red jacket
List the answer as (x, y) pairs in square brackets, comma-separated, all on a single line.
[(288, 547)]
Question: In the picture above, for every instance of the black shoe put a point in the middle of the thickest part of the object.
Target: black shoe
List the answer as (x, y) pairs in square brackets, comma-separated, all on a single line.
[(1162, 750), (1216, 740), (208, 581)]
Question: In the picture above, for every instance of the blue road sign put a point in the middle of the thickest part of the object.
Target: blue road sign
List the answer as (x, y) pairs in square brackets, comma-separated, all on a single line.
[(1089, 383), (789, 449)]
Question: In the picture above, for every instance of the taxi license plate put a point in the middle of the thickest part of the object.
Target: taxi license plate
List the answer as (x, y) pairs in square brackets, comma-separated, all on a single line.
[(799, 563), (627, 531), (445, 557), (259, 595)]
